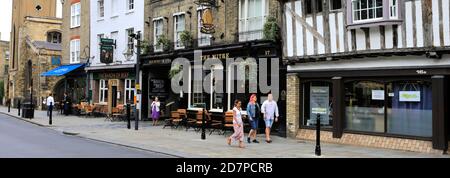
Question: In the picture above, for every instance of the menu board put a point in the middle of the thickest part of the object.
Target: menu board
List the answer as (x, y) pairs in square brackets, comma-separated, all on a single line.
[(319, 104)]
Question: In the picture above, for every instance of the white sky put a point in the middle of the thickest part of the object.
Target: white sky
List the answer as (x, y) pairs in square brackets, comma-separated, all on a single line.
[(5, 17)]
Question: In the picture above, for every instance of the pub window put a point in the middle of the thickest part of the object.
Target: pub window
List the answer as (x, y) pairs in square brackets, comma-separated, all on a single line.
[(130, 41), (252, 16), (130, 5), (179, 26), (309, 6), (318, 96), (157, 33), (198, 96), (129, 91), (103, 91), (335, 4)]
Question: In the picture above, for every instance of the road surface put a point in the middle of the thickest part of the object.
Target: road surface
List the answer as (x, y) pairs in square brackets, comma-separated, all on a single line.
[(20, 139)]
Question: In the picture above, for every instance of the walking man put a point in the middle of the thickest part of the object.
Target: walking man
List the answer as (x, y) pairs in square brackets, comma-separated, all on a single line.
[(50, 102), (270, 110)]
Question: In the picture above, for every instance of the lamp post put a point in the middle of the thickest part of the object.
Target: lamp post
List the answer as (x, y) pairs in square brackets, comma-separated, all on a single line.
[(137, 37)]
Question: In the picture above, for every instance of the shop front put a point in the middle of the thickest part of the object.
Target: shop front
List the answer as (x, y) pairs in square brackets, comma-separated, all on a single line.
[(391, 103), (217, 96), (112, 88)]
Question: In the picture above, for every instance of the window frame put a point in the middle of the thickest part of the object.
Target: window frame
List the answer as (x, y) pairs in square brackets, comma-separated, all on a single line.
[(156, 36), (244, 19), (368, 9), (130, 41), (129, 89), (103, 89), (177, 31), (101, 9), (130, 3), (75, 15), (75, 51)]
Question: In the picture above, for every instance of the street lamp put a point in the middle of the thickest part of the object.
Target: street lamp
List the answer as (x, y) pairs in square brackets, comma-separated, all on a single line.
[(137, 37)]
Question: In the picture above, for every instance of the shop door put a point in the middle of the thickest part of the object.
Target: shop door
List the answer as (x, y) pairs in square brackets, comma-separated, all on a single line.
[(114, 96)]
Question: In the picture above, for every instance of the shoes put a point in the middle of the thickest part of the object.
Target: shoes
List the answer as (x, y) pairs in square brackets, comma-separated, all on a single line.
[(229, 141), (255, 141), (269, 141), (248, 140)]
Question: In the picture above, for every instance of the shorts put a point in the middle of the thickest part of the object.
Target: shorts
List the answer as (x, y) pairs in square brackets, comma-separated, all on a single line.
[(254, 124), (268, 122)]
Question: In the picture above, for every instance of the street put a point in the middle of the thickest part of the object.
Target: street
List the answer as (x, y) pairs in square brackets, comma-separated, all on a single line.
[(19, 139)]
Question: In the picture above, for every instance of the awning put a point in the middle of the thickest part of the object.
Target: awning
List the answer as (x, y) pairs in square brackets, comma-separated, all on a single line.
[(62, 70)]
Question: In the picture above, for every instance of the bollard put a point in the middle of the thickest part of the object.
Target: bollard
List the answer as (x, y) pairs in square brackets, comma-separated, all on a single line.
[(9, 106), (203, 125), (318, 150), (128, 117), (50, 109), (18, 108)]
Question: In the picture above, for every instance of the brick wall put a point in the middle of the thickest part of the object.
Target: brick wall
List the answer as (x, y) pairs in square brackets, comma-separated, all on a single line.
[(293, 103)]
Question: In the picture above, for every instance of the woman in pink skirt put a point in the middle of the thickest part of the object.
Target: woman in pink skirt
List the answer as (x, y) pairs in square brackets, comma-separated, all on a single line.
[(238, 125)]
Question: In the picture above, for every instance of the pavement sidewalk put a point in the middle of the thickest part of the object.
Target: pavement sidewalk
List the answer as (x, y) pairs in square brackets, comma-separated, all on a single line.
[(178, 142)]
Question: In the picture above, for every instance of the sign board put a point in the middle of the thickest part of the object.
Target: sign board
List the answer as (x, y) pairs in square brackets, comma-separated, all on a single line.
[(113, 75), (319, 104), (106, 42), (106, 54), (158, 87), (377, 94), (409, 96), (138, 87)]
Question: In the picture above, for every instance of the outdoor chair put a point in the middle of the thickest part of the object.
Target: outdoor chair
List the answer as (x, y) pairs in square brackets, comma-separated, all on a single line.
[(215, 125), (228, 122), (174, 120)]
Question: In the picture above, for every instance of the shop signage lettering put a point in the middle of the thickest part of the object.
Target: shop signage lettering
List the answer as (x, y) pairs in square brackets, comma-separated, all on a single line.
[(216, 56), (113, 75), (159, 61), (409, 96), (377, 94), (319, 102)]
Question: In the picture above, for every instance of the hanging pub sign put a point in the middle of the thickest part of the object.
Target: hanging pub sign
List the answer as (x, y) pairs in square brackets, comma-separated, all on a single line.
[(207, 25), (107, 50)]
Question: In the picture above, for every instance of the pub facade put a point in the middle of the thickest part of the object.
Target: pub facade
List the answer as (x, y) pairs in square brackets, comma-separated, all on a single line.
[(219, 30)]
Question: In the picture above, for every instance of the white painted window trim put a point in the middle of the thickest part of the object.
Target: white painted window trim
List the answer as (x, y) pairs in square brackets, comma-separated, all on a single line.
[(127, 37), (156, 36), (368, 19), (393, 8), (75, 51), (175, 31), (243, 16), (129, 89), (100, 16), (103, 90), (128, 6), (75, 16)]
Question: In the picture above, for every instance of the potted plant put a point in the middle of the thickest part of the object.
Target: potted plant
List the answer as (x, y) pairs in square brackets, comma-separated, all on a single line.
[(271, 29), (145, 46), (164, 42), (186, 38)]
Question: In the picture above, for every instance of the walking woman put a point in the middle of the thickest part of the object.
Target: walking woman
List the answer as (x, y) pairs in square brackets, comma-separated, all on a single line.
[(155, 111), (253, 111), (238, 125)]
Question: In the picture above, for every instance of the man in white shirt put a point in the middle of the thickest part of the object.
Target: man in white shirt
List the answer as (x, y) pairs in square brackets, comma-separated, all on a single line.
[(50, 103), (270, 110)]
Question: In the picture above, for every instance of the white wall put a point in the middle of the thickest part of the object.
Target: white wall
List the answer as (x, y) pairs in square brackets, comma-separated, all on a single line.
[(120, 22)]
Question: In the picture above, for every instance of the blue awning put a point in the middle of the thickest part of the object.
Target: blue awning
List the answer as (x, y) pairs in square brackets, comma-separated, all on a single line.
[(62, 70)]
